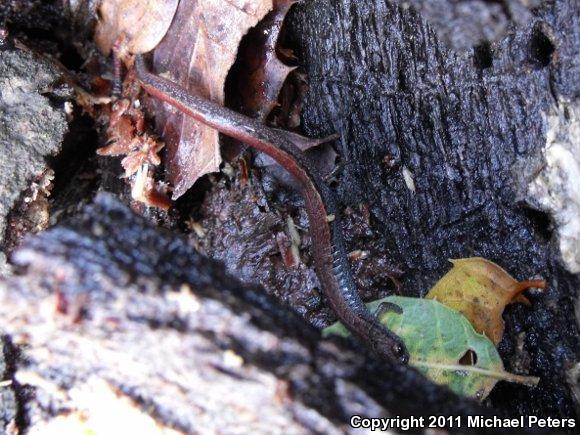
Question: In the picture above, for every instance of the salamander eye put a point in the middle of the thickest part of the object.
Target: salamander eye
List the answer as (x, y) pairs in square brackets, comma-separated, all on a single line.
[(401, 353)]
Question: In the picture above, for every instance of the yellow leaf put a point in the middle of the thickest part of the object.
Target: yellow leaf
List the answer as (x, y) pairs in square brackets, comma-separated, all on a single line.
[(480, 290)]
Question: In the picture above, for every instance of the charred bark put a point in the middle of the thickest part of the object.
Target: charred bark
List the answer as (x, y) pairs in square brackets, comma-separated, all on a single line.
[(109, 254), (470, 130)]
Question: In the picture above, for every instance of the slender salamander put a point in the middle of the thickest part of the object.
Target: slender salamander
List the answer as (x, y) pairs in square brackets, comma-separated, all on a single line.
[(329, 253)]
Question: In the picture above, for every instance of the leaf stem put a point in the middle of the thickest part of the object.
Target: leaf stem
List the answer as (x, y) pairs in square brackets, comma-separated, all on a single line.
[(510, 377)]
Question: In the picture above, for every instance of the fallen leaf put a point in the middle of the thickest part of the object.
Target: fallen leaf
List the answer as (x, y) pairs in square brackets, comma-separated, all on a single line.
[(254, 88), (291, 99), (320, 153), (480, 290), (439, 341), (142, 22), (259, 72), (197, 52)]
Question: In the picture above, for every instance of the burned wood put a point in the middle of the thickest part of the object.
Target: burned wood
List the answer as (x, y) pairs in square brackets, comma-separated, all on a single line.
[(112, 255), (438, 149), (470, 129)]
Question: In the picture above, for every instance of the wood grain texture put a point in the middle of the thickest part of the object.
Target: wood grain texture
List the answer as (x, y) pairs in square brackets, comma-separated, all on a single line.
[(470, 129), (151, 350)]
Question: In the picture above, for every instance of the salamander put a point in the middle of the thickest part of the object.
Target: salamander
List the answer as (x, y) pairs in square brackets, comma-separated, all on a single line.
[(328, 248)]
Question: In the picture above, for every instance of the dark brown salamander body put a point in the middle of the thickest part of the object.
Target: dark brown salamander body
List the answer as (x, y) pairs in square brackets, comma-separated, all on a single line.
[(329, 253)]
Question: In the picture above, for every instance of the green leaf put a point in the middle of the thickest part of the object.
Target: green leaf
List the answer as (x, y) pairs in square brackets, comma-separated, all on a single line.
[(440, 341)]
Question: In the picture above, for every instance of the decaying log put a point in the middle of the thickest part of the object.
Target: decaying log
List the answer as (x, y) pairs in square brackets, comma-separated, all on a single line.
[(26, 82), (442, 147), (439, 150), (157, 320)]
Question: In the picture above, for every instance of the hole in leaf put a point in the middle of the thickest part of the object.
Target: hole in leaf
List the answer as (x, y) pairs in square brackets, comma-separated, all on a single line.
[(483, 55), (469, 358), (542, 47)]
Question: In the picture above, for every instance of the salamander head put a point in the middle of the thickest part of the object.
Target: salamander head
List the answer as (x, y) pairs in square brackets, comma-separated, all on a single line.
[(389, 346), (400, 353)]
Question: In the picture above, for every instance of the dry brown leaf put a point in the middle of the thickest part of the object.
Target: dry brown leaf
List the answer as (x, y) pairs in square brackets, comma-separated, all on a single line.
[(260, 73), (480, 290), (142, 22), (197, 52), (258, 82)]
